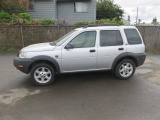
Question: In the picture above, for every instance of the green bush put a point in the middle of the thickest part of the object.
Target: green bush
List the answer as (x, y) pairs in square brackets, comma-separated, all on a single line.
[(5, 16), (47, 21), (120, 22), (101, 21), (85, 22), (109, 21), (24, 16), (36, 22), (4, 48)]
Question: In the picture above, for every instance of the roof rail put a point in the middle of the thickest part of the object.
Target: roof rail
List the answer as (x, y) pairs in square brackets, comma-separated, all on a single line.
[(97, 25)]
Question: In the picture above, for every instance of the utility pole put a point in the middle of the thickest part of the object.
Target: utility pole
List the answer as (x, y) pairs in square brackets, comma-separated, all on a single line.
[(137, 16)]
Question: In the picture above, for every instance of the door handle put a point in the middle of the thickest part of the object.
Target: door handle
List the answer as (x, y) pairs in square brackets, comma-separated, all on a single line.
[(92, 50), (120, 48)]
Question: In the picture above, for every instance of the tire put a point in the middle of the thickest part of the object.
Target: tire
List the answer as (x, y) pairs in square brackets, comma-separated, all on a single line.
[(42, 74), (125, 69)]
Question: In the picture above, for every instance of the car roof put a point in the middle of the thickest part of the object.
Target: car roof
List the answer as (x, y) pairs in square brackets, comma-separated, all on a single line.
[(105, 27)]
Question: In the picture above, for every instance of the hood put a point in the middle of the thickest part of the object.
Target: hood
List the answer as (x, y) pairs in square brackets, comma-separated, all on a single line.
[(38, 47)]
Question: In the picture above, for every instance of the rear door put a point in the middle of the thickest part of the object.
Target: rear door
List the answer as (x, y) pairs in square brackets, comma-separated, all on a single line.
[(111, 45)]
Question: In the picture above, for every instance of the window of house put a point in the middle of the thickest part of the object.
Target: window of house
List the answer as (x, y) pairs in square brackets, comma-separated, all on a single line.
[(81, 7), (31, 5), (84, 40), (132, 36), (110, 38)]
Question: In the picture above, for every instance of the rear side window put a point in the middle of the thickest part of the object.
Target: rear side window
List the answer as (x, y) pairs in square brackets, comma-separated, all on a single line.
[(132, 36), (110, 38)]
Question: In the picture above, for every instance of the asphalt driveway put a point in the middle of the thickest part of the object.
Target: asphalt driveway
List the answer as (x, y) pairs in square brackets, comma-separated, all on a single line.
[(82, 96)]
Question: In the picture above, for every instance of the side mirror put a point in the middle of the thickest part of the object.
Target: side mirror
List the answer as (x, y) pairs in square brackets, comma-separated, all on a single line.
[(69, 46)]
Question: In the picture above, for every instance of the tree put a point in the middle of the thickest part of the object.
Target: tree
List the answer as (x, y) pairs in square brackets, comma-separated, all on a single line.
[(154, 21), (139, 21), (106, 9), (129, 19), (14, 6)]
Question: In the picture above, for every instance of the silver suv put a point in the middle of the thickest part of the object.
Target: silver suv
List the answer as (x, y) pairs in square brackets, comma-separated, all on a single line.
[(117, 48)]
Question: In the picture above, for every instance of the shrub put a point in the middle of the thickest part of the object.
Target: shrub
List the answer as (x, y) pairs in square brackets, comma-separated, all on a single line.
[(109, 21), (5, 16), (85, 22), (24, 16), (61, 22), (47, 21), (14, 6), (120, 22), (16, 20), (21, 18), (106, 21), (5, 48), (36, 22), (101, 21)]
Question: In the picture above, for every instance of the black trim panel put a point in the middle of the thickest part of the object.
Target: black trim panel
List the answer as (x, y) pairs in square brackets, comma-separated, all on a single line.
[(118, 58), (47, 58), (137, 56), (25, 62)]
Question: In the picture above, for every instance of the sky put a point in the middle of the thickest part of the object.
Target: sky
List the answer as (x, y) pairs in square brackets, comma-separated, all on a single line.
[(147, 9)]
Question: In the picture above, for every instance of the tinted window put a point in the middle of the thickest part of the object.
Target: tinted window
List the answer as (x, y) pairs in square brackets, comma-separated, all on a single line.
[(84, 40), (110, 38), (132, 36)]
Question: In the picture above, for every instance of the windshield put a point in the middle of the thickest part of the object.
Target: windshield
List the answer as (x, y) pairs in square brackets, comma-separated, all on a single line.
[(61, 40)]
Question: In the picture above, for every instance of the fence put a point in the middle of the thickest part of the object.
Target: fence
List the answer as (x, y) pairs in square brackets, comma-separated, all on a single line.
[(151, 37), (20, 36)]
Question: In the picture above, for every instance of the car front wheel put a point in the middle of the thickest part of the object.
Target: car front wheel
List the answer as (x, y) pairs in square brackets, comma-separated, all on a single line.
[(42, 74), (125, 69)]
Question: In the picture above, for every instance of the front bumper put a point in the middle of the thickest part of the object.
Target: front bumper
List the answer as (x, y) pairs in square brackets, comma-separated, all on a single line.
[(23, 62)]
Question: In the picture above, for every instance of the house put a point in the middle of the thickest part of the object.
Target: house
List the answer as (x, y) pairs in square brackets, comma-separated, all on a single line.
[(68, 10)]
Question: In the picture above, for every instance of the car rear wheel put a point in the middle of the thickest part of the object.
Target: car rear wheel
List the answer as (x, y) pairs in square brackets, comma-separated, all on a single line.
[(125, 69), (42, 74)]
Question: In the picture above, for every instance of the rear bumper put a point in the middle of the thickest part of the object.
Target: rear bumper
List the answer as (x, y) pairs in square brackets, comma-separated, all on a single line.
[(24, 62), (141, 57)]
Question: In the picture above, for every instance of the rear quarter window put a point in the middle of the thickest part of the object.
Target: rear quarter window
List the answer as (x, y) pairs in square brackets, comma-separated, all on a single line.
[(133, 36)]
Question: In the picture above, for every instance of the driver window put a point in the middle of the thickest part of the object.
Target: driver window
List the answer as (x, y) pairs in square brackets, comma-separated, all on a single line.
[(84, 40)]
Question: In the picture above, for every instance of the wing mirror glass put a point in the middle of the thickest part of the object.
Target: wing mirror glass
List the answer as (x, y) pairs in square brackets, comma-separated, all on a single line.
[(69, 46)]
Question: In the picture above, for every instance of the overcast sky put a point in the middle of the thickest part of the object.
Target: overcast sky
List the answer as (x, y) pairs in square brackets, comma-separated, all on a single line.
[(148, 9)]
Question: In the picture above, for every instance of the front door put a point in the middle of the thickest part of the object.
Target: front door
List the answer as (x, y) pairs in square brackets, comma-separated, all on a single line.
[(83, 55)]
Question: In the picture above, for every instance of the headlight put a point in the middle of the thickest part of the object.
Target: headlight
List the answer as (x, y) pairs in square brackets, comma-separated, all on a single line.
[(22, 55)]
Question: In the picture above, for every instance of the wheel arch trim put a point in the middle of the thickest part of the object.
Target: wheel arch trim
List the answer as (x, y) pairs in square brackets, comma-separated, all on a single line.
[(123, 55), (49, 59)]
